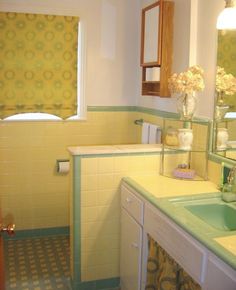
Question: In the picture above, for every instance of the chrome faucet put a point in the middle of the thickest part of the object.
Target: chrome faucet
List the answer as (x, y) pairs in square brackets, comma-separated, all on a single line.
[(231, 176), (229, 192)]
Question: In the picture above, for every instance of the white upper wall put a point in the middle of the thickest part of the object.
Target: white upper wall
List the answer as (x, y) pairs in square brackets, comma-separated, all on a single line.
[(112, 36), (195, 42), (113, 73)]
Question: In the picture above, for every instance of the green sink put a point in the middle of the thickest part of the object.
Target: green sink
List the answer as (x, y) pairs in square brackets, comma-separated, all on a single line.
[(219, 216)]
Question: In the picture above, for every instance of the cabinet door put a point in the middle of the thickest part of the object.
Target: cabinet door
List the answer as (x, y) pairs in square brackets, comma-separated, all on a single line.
[(219, 276), (131, 250)]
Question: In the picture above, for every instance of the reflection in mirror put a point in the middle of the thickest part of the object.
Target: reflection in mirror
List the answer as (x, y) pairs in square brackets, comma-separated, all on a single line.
[(151, 25), (226, 59), (225, 138), (224, 143), (151, 28)]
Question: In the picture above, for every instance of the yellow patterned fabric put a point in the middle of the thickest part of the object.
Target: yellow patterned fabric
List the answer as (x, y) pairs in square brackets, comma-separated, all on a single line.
[(186, 282), (226, 58), (38, 64), (163, 273)]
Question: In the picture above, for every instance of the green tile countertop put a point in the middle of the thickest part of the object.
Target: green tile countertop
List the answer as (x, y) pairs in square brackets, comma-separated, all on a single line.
[(162, 191)]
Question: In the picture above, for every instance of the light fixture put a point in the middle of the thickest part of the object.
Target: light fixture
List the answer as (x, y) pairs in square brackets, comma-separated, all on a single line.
[(227, 18)]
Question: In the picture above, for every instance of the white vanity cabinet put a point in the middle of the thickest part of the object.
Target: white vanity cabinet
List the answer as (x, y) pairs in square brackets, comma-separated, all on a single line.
[(140, 218), (219, 276), (131, 240)]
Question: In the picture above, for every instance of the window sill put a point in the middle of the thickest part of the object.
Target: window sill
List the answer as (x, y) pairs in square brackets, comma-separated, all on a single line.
[(29, 117)]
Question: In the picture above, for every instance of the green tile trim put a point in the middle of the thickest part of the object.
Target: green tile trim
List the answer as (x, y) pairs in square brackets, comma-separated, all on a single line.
[(119, 154), (171, 115), (112, 108), (219, 159), (104, 284), (156, 112), (43, 232), (132, 109), (77, 219), (170, 152), (150, 111)]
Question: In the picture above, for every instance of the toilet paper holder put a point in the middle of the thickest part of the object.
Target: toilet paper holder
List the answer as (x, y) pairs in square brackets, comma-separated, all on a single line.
[(62, 166)]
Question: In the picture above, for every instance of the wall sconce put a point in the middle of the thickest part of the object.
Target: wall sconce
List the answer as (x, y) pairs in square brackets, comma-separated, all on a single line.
[(227, 18)]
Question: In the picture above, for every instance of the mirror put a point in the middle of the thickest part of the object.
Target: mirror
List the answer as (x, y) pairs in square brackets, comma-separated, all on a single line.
[(226, 59), (151, 25)]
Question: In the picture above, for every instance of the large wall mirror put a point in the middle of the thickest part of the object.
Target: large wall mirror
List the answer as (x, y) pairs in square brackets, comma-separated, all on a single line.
[(224, 137)]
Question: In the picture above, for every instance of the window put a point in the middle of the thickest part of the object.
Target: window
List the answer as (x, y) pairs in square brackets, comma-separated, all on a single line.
[(39, 60)]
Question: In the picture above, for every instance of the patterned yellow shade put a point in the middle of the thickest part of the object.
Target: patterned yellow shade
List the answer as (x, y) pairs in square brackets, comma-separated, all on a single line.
[(38, 64), (164, 273)]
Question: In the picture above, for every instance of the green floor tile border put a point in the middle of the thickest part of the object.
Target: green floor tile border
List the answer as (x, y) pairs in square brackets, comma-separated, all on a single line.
[(105, 284), (43, 232)]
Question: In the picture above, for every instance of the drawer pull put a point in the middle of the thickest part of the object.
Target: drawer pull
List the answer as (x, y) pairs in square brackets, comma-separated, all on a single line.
[(134, 245), (129, 200)]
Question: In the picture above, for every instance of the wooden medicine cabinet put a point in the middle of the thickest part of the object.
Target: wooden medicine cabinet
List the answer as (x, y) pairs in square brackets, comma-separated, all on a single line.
[(156, 48)]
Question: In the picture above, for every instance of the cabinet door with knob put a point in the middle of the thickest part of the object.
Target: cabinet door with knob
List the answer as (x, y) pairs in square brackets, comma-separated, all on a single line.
[(131, 250), (131, 240)]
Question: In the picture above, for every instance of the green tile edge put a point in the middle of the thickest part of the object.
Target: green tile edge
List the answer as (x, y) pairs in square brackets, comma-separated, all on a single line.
[(119, 154), (43, 232), (132, 109), (112, 108), (129, 154), (150, 111), (76, 221), (156, 112), (219, 159), (105, 284)]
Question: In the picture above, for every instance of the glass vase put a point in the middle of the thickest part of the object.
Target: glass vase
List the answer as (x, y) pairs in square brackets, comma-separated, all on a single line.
[(186, 106), (221, 108)]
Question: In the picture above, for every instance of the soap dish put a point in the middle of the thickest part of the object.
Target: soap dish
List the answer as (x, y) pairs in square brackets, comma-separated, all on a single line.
[(184, 173)]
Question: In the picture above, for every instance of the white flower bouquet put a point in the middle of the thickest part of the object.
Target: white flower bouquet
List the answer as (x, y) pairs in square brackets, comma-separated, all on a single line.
[(187, 82), (225, 83)]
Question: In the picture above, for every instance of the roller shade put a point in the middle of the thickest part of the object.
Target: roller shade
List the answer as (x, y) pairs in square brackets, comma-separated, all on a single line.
[(38, 64)]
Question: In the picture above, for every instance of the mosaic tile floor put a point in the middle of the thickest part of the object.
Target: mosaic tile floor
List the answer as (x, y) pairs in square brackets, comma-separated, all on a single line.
[(37, 264)]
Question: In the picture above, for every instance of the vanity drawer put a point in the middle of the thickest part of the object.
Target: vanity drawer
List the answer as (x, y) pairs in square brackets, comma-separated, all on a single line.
[(132, 204), (179, 245)]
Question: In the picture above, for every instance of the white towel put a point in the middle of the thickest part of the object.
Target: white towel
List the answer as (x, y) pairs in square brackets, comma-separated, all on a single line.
[(145, 132), (153, 134), (158, 135)]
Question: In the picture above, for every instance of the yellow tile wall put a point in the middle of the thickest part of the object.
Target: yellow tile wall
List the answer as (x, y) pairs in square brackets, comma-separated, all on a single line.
[(32, 194), (100, 210), (214, 172)]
